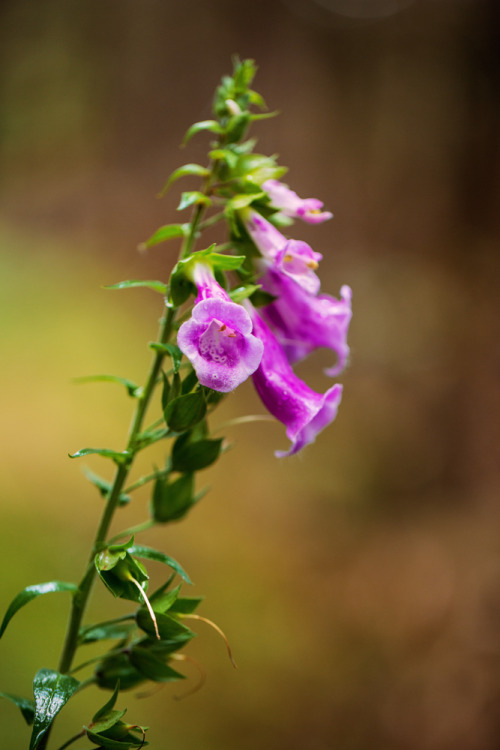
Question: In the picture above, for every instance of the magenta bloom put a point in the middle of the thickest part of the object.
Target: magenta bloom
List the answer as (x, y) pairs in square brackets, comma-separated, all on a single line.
[(293, 258), (218, 338), (289, 203), (304, 322), (303, 411)]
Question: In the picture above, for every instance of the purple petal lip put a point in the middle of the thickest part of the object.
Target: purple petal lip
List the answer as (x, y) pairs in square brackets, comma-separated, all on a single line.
[(304, 322), (289, 203), (219, 343), (303, 411), (298, 260)]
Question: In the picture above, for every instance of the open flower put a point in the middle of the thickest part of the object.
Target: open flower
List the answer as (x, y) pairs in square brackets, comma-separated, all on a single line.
[(303, 411), (302, 319), (293, 258), (218, 338), (304, 322), (289, 203)]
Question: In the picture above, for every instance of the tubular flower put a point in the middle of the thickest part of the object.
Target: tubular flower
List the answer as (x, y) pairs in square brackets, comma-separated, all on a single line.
[(304, 322), (218, 338), (293, 258), (302, 319), (303, 411), (289, 203)]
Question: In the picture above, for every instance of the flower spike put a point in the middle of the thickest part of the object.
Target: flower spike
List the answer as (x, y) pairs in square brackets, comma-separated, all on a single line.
[(303, 411), (289, 203), (218, 338)]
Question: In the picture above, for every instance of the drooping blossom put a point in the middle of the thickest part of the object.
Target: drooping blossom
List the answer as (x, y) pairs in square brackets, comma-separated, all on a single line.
[(304, 322), (218, 338), (302, 319), (289, 203), (303, 411), (293, 258)]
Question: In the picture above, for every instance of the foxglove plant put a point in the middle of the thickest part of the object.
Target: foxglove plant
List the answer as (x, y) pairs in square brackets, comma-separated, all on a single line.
[(248, 309)]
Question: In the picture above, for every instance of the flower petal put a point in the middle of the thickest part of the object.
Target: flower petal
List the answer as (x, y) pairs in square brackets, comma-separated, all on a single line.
[(289, 203), (303, 411), (304, 322)]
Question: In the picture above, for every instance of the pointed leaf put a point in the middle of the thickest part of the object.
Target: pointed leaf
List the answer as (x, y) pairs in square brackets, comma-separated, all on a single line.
[(128, 741), (193, 456), (153, 554), (151, 667), (211, 125), (185, 171), (157, 286), (108, 720), (170, 629), (170, 349), (109, 704), (171, 501), (94, 633), (132, 388), (185, 411), (165, 233), (191, 198), (186, 604), (32, 592), (120, 457), (104, 486), (25, 705), (52, 690)]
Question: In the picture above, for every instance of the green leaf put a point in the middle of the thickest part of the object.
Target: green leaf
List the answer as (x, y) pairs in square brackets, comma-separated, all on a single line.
[(118, 570), (243, 292), (120, 457), (211, 125), (185, 411), (189, 382), (151, 667), (186, 604), (32, 592), (25, 705), (153, 554), (132, 388), (193, 456), (94, 633), (52, 691), (163, 600), (104, 486), (108, 720), (164, 233), (171, 349), (224, 154), (171, 501), (170, 629), (185, 171), (193, 197), (126, 741), (157, 286), (117, 667), (244, 199), (109, 704)]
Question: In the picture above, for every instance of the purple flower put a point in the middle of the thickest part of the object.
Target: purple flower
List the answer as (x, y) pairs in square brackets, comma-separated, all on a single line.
[(302, 319), (303, 411), (304, 322), (289, 203), (293, 258), (218, 338)]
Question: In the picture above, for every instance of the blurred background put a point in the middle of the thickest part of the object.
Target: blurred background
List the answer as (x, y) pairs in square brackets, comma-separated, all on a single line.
[(358, 583)]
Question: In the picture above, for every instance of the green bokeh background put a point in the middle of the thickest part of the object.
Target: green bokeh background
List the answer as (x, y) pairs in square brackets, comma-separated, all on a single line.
[(358, 583)]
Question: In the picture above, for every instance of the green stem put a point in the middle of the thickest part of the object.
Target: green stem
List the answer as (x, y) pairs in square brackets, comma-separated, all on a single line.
[(80, 599)]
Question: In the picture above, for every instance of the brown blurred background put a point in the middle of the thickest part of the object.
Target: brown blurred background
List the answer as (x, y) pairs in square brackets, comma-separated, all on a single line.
[(359, 583)]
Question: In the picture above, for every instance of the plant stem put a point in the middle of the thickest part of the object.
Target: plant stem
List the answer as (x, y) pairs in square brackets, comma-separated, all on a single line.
[(81, 597)]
